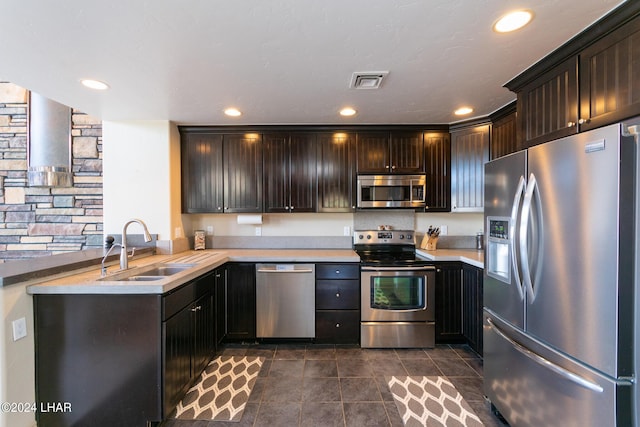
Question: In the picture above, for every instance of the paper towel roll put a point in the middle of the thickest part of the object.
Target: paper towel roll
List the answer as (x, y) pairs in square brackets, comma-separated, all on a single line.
[(249, 219)]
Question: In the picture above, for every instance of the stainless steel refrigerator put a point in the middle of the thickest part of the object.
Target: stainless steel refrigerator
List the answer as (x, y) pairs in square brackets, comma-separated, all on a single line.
[(559, 282)]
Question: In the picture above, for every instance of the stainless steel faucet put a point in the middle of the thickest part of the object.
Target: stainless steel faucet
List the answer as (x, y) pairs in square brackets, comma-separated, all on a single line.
[(124, 255)]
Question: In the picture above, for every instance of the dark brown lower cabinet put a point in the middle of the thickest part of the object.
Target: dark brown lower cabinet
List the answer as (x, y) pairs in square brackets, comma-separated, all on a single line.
[(459, 304), (241, 301), (338, 303), (449, 303), (221, 304), (121, 359), (472, 306)]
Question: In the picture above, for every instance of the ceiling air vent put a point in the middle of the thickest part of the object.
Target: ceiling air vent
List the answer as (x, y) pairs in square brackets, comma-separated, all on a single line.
[(367, 80)]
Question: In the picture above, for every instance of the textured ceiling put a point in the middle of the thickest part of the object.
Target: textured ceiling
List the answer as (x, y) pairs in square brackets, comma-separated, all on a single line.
[(279, 61)]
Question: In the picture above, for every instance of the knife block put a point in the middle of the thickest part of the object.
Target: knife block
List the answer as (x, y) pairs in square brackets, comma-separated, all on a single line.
[(429, 242)]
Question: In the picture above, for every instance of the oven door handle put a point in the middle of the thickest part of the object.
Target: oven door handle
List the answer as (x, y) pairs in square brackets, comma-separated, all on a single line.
[(424, 268)]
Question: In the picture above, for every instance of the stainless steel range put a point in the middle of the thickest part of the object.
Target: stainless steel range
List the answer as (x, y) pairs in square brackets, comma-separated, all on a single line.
[(397, 291)]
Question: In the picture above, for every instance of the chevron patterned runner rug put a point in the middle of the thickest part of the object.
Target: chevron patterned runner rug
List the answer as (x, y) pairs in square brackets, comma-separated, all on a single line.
[(223, 390), (431, 402)]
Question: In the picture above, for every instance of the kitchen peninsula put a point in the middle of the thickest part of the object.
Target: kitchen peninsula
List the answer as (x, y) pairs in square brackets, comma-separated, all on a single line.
[(144, 339)]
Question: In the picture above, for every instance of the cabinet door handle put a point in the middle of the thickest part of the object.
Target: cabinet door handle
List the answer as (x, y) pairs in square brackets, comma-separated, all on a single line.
[(337, 294), (337, 271), (291, 207), (393, 167), (196, 308), (337, 325), (571, 124)]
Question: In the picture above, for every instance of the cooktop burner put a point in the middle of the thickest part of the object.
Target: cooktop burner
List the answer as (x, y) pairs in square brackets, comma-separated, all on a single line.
[(386, 248)]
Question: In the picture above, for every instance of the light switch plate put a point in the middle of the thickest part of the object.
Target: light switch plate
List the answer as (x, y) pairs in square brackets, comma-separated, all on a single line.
[(444, 230), (19, 328)]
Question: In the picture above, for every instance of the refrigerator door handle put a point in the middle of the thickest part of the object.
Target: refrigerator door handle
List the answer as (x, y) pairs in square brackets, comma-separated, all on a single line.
[(546, 363), (529, 280), (512, 234)]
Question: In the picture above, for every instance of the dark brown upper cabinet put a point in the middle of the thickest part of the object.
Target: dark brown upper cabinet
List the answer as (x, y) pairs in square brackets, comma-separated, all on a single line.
[(390, 152), (610, 78), (504, 135), (548, 106), (202, 161), (290, 176), (437, 154), (336, 172), (221, 173), (591, 81), (469, 153), (243, 172)]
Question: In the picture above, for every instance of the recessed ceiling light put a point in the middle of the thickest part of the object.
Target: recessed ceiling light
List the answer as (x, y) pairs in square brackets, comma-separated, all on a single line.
[(94, 84), (348, 111), (463, 111), (233, 112), (513, 21)]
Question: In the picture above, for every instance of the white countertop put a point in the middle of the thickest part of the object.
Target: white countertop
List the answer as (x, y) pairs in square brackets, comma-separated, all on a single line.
[(469, 256), (88, 280)]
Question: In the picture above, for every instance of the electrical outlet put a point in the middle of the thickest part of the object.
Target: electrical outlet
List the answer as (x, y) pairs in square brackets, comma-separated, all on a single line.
[(444, 230), (19, 328), (210, 230), (346, 231), (258, 231)]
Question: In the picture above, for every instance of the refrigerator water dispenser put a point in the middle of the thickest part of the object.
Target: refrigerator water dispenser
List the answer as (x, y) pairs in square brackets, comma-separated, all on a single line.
[(498, 251)]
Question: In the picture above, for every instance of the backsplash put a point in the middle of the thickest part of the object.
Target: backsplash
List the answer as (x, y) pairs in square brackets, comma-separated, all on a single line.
[(40, 221), (397, 219)]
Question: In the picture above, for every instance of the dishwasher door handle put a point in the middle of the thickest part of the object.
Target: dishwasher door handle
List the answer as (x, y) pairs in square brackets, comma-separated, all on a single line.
[(284, 271)]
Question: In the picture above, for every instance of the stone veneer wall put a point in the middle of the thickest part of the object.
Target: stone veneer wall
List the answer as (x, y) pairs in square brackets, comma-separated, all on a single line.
[(45, 221)]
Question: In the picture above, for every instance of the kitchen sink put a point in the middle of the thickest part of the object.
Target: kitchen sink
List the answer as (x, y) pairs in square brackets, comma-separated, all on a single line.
[(139, 278), (148, 273), (166, 270)]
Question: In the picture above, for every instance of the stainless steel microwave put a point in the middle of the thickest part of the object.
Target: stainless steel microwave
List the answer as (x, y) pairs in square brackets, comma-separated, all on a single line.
[(391, 191)]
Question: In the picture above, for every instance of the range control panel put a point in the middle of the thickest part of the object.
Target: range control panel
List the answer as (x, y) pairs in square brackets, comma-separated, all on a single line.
[(373, 237)]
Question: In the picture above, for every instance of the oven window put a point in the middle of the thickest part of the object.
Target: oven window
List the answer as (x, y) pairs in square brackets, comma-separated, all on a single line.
[(398, 292)]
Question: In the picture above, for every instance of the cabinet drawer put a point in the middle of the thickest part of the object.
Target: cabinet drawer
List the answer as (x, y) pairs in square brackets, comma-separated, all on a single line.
[(337, 294), (178, 299), (338, 271), (338, 326)]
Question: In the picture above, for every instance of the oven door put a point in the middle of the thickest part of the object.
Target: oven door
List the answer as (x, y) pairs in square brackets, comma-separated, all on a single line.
[(403, 294)]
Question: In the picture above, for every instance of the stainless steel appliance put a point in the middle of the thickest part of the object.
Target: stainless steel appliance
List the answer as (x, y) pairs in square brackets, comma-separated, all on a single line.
[(285, 300), (559, 282), (397, 291), (391, 191)]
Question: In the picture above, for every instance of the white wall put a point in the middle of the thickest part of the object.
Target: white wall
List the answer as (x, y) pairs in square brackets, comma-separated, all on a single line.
[(313, 224), (141, 163), (17, 358)]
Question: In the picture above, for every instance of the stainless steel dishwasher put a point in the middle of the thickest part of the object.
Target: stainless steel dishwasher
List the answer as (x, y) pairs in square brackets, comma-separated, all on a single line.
[(285, 300)]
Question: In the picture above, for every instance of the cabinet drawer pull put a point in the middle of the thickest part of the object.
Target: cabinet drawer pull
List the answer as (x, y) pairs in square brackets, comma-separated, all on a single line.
[(337, 325), (338, 295), (583, 121), (337, 271), (571, 124), (196, 308)]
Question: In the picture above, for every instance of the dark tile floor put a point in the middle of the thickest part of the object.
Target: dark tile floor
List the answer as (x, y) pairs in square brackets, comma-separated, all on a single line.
[(319, 385)]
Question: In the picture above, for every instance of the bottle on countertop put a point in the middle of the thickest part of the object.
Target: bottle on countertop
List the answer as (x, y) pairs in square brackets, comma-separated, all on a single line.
[(479, 240)]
